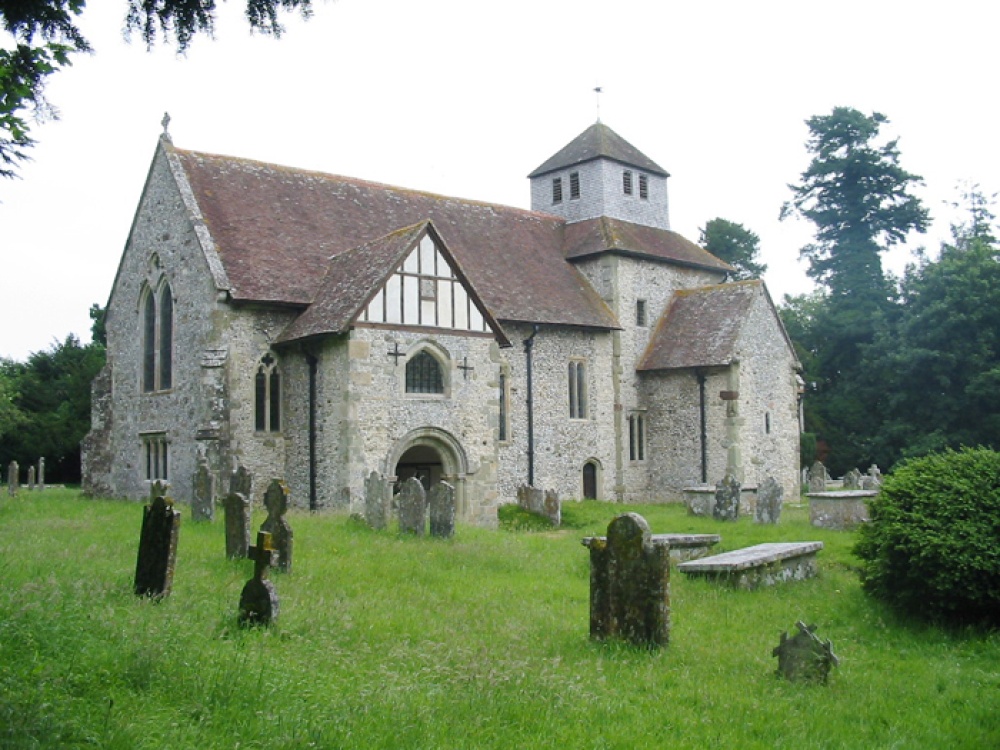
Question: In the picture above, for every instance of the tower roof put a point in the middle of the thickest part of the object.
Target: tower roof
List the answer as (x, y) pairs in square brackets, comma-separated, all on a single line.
[(597, 142)]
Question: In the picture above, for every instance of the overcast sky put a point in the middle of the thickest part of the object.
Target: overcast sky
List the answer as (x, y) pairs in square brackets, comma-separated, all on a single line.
[(465, 99)]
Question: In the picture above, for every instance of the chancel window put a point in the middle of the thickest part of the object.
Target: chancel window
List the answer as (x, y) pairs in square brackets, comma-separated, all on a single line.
[(577, 390), (267, 396), (155, 456), (157, 339), (636, 437), (423, 374)]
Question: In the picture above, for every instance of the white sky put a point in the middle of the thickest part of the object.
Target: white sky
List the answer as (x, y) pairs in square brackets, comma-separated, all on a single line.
[(465, 98)]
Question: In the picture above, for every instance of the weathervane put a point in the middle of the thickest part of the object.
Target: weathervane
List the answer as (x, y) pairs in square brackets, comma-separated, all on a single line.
[(165, 122), (598, 90)]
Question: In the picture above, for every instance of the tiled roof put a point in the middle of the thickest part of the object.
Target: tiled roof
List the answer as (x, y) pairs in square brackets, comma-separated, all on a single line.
[(599, 141), (276, 230), (700, 327), (594, 236)]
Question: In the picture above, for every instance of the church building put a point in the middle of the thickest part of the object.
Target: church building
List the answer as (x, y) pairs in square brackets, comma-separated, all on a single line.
[(316, 328)]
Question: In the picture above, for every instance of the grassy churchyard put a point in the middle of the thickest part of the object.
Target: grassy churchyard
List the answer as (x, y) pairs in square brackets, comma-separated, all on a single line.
[(480, 641)]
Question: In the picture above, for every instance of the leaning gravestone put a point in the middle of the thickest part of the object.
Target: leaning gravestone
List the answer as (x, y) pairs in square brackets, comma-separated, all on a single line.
[(259, 600), (629, 584), (203, 499), (412, 507), (237, 509), (441, 503), (276, 502), (769, 500), (13, 472), (805, 658), (154, 566), (817, 478), (376, 505), (727, 499)]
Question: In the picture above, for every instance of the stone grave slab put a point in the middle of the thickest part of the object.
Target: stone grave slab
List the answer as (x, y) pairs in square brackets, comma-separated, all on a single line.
[(760, 565)]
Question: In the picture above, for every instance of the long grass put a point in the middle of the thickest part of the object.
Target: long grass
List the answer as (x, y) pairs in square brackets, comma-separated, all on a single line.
[(386, 641)]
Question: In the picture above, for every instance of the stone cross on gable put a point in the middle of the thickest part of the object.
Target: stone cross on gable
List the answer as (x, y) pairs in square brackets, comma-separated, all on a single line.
[(465, 368), (395, 353)]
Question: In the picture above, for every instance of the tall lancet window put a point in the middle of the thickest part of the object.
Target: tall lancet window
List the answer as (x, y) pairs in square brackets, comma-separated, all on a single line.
[(157, 339), (267, 396)]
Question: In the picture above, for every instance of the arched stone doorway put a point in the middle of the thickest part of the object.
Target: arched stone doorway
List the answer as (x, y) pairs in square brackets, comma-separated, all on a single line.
[(591, 480), (431, 455)]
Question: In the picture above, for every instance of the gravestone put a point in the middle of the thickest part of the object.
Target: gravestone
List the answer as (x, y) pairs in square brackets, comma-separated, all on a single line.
[(873, 479), (236, 506), (154, 566), (441, 503), (817, 477), (276, 503), (31, 479), (629, 584), (41, 473), (203, 499), (543, 503), (769, 500), (727, 499), (805, 658), (412, 507), (259, 600), (13, 477), (852, 480), (376, 501)]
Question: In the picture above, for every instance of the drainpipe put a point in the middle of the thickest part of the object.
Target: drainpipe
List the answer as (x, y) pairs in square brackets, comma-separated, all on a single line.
[(529, 344), (704, 427), (313, 500)]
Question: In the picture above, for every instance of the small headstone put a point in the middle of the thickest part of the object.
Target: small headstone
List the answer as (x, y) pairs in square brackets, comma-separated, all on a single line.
[(276, 502), (31, 479), (376, 501), (203, 499), (852, 480), (41, 473), (727, 499), (769, 500), (817, 477), (412, 507), (441, 503), (805, 658), (236, 506), (629, 584), (873, 479), (259, 600), (13, 477), (543, 503), (154, 566)]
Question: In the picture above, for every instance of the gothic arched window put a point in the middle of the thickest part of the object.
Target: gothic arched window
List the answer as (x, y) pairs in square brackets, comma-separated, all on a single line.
[(157, 339), (423, 374), (267, 396)]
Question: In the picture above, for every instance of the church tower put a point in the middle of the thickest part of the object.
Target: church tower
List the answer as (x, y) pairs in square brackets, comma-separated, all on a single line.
[(597, 174)]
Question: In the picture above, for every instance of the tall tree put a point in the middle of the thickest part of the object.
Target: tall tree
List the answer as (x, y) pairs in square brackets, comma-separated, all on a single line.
[(44, 35), (859, 200), (736, 245)]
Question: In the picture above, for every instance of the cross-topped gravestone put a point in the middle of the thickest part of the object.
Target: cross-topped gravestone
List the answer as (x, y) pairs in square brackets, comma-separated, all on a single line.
[(276, 503), (769, 501), (727, 499), (412, 507), (804, 657), (376, 501), (154, 566), (13, 471), (203, 498), (259, 600), (629, 584), (237, 509), (441, 503)]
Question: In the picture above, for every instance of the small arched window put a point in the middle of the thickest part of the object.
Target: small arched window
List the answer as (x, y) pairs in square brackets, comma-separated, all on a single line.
[(267, 396), (423, 374)]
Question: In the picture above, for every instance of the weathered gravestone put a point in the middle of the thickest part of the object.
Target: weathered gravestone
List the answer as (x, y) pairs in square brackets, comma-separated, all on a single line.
[(237, 509), (203, 499), (377, 500), (873, 479), (817, 477), (852, 480), (727, 499), (276, 502), (629, 584), (259, 600), (41, 473), (13, 477), (543, 503), (31, 478), (805, 658), (441, 503), (769, 501), (154, 566), (412, 507)]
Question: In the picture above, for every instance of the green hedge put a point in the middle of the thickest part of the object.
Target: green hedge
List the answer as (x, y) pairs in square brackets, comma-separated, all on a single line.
[(932, 548)]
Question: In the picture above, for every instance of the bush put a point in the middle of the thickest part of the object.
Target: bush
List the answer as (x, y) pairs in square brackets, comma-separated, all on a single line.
[(932, 547)]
